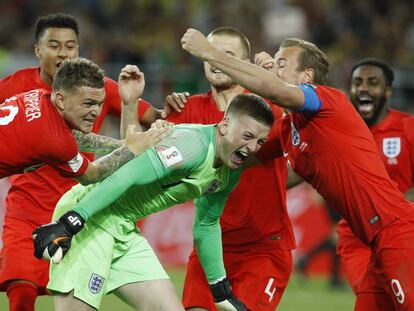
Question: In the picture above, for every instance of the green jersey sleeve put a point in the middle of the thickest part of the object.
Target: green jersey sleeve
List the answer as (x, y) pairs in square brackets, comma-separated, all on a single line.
[(207, 230), (173, 158)]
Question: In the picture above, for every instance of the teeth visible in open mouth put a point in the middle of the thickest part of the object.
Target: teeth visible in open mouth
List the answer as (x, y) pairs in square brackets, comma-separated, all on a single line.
[(365, 98), (216, 71), (241, 154)]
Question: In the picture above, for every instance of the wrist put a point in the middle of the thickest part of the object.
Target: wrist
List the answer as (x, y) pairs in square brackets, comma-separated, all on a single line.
[(221, 290), (72, 221)]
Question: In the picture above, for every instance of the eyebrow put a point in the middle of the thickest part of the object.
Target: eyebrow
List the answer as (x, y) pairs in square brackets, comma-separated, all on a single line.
[(58, 41)]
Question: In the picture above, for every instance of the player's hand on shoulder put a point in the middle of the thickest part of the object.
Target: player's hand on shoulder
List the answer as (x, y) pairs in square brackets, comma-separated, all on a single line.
[(52, 241), (174, 102), (160, 123), (224, 298), (138, 142), (131, 84), (264, 60)]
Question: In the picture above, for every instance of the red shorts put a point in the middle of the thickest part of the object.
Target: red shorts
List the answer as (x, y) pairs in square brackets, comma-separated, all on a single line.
[(393, 267), (355, 257), (16, 257), (257, 279)]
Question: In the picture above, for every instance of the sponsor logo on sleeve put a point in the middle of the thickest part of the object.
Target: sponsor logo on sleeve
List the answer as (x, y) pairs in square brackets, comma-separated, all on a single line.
[(96, 283), (76, 163), (169, 156)]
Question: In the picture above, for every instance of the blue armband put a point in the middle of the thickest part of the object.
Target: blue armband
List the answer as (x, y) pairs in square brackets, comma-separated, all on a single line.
[(312, 101)]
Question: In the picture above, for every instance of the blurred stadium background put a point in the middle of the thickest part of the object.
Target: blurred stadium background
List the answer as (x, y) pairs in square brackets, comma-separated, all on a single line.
[(148, 32)]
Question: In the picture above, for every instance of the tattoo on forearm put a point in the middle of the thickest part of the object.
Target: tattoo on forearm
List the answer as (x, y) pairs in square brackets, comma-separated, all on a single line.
[(96, 143), (111, 162)]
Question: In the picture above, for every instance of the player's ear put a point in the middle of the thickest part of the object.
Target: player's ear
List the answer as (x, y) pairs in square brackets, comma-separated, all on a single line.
[(308, 75), (58, 99), (223, 126), (388, 92), (37, 51)]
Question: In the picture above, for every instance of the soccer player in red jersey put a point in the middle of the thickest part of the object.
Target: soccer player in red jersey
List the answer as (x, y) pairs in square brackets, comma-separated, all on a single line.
[(256, 232), (393, 132), (330, 147), (33, 196)]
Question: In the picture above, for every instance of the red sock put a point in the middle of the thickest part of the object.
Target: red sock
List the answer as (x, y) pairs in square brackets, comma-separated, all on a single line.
[(22, 296)]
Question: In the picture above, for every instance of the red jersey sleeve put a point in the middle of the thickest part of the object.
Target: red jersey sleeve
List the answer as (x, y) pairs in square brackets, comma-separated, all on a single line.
[(272, 148), (62, 153)]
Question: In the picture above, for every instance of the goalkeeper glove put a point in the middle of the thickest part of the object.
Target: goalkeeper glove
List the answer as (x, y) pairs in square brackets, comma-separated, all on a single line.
[(52, 241), (224, 298)]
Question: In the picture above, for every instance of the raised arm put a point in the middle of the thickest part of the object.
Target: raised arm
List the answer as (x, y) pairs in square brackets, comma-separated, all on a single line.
[(131, 84), (248, 75)]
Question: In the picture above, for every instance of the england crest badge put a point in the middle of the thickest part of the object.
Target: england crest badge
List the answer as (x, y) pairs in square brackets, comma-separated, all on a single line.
[(96, 283), (295, 135), (391, 147)]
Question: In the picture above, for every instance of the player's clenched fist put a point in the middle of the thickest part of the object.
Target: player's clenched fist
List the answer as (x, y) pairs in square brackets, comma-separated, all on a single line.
[(224, 298), (195, 43), (52, 241)]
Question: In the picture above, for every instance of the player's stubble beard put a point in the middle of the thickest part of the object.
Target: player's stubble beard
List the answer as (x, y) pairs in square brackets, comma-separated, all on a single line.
[(378, 109)]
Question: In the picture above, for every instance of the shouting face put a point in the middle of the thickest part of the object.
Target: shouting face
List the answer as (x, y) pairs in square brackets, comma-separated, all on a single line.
[(369, 93), (239, 137)]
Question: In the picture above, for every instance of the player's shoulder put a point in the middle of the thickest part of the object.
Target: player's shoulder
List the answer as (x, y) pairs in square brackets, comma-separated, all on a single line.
[(25, 72), (327, 90), (199, 98), (195, 134)]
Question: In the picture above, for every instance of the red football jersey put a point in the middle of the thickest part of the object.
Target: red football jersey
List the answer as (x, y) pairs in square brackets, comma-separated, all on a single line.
[(34, 195), (32, 133), (394, 137), (255, 215), (333, 150)]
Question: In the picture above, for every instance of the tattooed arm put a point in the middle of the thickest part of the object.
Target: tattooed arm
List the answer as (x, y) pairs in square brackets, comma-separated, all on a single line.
[(135, 144), (105, 166), (96, 143)]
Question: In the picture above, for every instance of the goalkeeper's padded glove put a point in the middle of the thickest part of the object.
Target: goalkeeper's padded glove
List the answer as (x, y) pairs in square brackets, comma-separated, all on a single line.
[(52, 241), (224, 298)]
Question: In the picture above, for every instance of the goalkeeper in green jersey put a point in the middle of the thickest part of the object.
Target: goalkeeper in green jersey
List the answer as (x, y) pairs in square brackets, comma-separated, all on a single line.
[(97, 222)]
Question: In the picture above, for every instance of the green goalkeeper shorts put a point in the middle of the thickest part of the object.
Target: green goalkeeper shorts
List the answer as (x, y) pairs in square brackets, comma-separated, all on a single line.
[(97, 263)]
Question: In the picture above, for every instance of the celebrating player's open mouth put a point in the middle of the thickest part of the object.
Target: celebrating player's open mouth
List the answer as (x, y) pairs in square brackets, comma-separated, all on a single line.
[(365, 104), (239, 156)]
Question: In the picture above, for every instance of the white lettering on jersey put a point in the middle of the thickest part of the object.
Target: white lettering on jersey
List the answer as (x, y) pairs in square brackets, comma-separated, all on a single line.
[(398, 291), (76, 163), (31, 103), (269, 290), (13, 110), (169, 156)]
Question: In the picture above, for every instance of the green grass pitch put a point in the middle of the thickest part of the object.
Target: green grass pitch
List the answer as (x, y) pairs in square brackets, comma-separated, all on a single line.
[(311, 294)]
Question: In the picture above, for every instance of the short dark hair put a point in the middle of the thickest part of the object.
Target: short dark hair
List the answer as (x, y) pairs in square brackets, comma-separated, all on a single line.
[(252, 105), (233, 32), (57, 20), (310, 57), (78, 72), (388, 73)]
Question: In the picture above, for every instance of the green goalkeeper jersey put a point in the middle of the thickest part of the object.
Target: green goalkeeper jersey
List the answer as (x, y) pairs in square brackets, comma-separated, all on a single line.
[(178, 169)]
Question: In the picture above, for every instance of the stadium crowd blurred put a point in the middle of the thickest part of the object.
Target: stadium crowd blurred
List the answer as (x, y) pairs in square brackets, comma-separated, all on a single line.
[(147, 33)]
